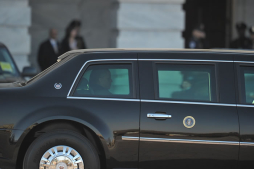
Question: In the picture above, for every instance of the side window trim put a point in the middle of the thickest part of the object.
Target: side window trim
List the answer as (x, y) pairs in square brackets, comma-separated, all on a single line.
[(85, 67), (215, 96), (103, 62), (241, 90)]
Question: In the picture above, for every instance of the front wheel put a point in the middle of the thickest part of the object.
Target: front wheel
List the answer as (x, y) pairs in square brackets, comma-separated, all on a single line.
[(61, 149)]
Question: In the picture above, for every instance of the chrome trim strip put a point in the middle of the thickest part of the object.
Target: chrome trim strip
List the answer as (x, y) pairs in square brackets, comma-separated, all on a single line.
[(98, 98), (246, 144), (181, 140), (189, 141), (196, 60), (98, 60), (182, 102), (243, 62), (130, 138), (155, 101), (244, 105), (186, 60), (158, 115)]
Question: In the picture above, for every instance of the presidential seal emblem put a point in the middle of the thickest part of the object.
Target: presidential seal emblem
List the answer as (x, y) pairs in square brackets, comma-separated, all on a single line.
[(58, 85), (189, 122)]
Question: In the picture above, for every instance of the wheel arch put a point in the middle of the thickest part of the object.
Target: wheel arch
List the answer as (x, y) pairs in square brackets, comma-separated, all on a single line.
[(83, 127)]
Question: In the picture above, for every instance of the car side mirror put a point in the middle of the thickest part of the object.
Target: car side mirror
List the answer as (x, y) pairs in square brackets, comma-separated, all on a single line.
[(29, 72)]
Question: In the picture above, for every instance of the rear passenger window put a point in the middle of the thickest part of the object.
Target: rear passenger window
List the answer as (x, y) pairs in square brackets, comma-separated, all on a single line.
[(186, 82), (247, 85), (106, 81)]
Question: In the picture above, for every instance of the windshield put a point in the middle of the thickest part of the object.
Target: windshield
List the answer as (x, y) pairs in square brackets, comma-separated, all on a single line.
[(51, 68), (7, 67)]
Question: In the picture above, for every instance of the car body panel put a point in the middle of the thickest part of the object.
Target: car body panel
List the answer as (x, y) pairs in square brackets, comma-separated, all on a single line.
[(42, 103), (214, 140), (246, 116)]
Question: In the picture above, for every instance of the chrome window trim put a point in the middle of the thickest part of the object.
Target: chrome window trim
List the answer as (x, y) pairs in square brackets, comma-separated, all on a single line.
[(186, 60), (186, 102), (246, 144), (244, 105), (159, 101), (98, 98), (165, 140), (96, 60), (156, 101), (151, 101), (197, 60), (244, 62)]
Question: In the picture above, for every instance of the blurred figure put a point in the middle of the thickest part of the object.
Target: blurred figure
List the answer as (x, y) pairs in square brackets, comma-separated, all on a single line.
[(194, 86), (252, 36), (198, 39), (72, 40), (49, 50), (100, 81), (242, 42)]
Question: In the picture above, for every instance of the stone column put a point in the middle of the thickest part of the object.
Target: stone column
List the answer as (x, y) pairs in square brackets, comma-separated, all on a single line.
[(150, 24), (14, 22), (94, 15)]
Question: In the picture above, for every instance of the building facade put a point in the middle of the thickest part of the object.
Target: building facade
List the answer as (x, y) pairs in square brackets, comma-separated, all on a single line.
[(15, 21), (112, 23)]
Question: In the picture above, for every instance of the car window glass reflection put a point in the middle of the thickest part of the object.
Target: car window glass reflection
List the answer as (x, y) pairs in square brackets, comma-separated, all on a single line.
[(105, 81), (100, 82), (6, 64), (187, 82), (248, 85)]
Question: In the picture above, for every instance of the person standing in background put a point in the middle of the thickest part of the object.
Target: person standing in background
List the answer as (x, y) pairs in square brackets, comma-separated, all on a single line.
[(252, 36), (198, 39), (242, 42), (49, 50), (72, 39)]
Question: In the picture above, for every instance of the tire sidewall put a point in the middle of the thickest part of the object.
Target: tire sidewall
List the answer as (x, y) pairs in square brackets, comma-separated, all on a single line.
[(66, 138)]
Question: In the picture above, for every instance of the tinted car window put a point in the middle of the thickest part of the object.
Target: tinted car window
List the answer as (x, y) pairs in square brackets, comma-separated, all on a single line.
[(6, 64), (186, 82), (106, 81), (247, 83)]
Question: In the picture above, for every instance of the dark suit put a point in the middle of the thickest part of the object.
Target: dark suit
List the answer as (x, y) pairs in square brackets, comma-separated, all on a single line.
[(65, 44), (47, 55), (241, 43), (99, 90), (198, 44)]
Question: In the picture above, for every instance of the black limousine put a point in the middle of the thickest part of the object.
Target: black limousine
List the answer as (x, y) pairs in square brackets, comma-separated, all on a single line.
[(132, 108)]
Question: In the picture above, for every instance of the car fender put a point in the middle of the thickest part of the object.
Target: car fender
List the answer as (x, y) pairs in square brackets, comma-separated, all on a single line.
[(33, 119)]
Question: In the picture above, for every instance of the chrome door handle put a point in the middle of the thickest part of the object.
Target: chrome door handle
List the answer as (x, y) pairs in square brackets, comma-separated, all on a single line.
[(158, 116)]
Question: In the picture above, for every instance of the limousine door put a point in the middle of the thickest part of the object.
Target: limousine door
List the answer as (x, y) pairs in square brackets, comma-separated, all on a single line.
[(188, 112), (106, 95), (245, 78)]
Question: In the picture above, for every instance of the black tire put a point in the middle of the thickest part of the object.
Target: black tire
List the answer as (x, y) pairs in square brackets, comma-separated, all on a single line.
[(61, 137)]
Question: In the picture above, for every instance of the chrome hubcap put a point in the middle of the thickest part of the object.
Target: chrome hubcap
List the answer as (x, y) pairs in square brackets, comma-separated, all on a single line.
[(61, 157)]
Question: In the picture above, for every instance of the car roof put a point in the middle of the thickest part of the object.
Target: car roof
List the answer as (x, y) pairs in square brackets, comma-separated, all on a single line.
[(108, 50), (160, 50)]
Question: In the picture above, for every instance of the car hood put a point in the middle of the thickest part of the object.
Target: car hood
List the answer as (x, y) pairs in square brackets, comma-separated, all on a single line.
[(10, 85), (10, 79)]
